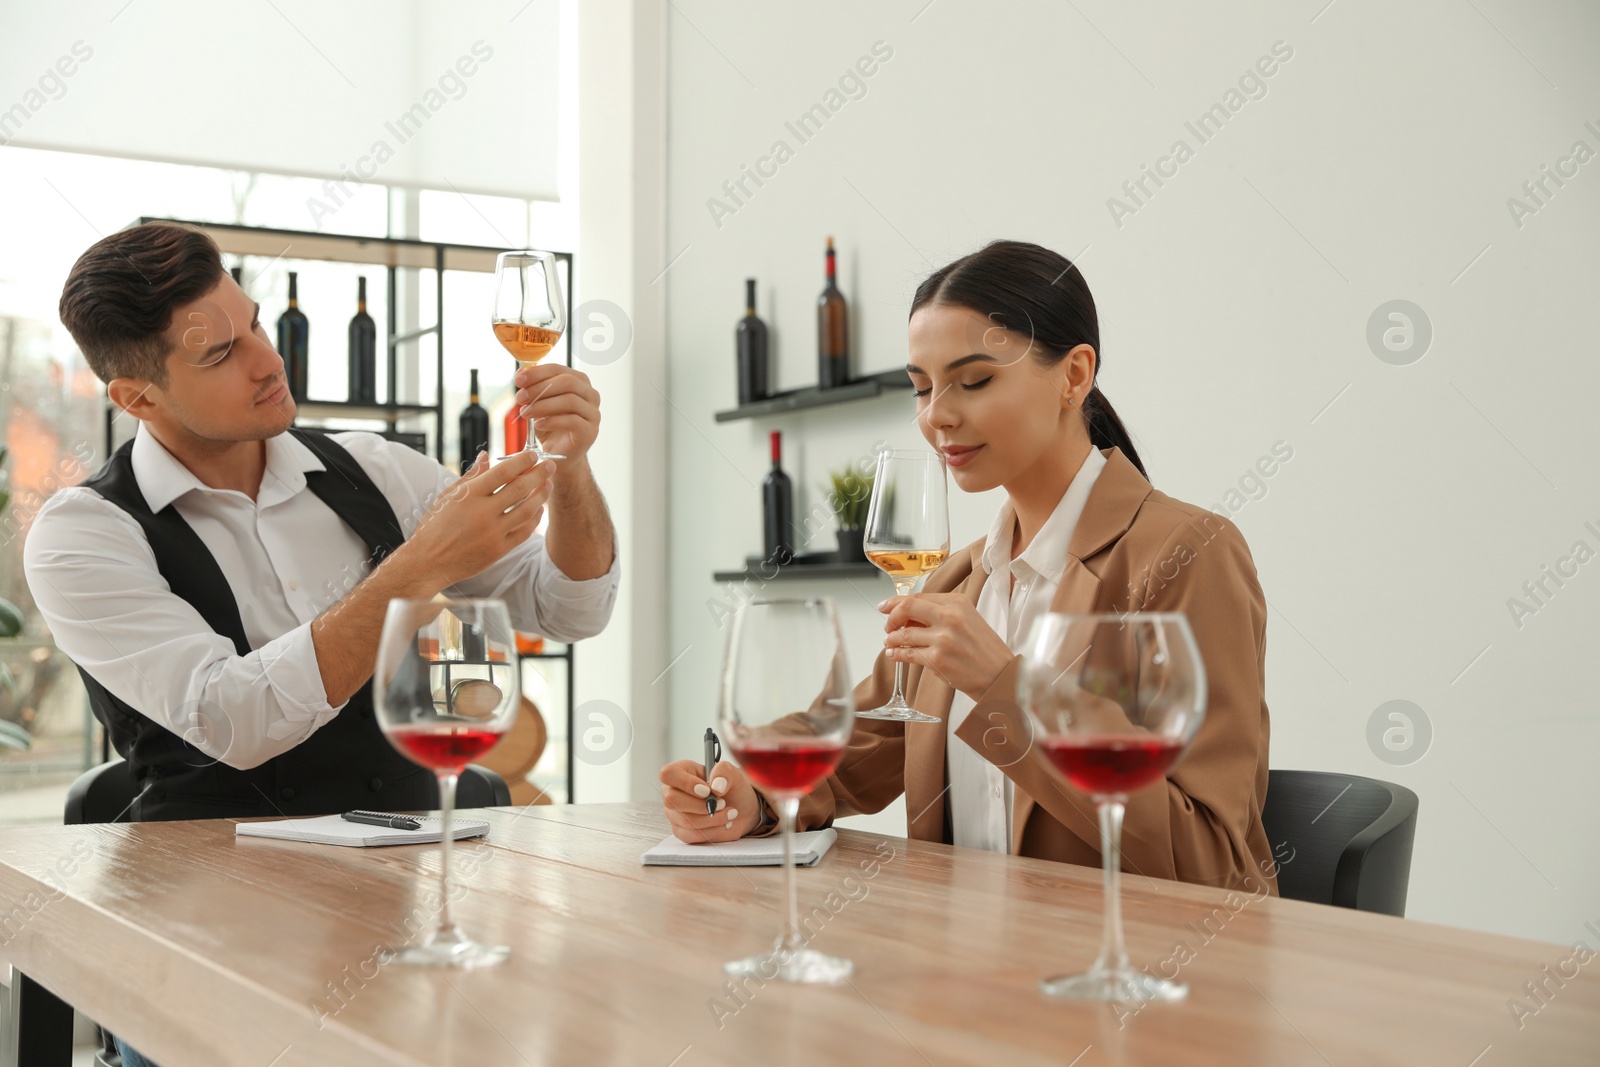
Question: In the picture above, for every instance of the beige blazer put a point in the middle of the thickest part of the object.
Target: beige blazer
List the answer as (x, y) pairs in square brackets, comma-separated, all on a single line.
[(1134, 549)]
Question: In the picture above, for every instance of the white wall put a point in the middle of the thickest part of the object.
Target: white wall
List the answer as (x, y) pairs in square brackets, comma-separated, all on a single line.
[(1234, 307)]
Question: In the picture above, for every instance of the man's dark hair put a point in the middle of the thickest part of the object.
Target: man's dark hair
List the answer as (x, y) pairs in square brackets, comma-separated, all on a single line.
[(119, 299)]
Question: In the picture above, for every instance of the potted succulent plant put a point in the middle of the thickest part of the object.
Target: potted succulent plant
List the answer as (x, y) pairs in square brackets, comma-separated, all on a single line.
[(848, 495)]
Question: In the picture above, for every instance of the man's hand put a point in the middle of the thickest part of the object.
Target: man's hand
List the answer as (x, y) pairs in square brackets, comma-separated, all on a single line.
[(564, 407), (479, 518), (684, 791), (945, 633)]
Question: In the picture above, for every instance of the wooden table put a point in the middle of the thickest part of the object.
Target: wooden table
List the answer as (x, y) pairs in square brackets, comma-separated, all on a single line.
[(203, 949)]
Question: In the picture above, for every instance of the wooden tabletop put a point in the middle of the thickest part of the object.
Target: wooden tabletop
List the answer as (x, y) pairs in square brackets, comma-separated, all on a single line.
[(200, 948)]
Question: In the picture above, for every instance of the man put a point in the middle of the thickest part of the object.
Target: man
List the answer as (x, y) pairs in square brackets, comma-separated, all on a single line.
[(221, 583)]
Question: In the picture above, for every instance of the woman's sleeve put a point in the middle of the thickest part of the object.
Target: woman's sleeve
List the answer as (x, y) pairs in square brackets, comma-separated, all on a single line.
[(1197, 824)]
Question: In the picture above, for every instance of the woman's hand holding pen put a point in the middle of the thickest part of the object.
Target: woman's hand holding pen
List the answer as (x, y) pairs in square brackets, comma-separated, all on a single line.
[(684, 791), (945, 633)]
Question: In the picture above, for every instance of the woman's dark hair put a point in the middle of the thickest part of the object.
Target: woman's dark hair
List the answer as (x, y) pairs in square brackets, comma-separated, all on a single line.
[(1034, 291), (119, 299)]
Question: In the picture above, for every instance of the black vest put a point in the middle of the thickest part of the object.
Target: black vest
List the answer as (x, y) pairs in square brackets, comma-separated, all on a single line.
[(346, 764)]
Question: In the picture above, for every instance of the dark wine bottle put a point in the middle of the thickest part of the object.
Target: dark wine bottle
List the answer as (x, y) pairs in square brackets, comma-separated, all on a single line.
[(363, 351), (777, 508), (750, 337), (833, 331), (238, 275), (474, 427), (294, 341)]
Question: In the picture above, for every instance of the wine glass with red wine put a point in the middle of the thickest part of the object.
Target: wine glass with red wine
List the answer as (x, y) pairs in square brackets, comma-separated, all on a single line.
[(786, 712), (1113, 701), (446, 690)]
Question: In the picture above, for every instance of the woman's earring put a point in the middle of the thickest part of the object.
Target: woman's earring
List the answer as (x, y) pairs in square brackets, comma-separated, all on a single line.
[(1071, 401)]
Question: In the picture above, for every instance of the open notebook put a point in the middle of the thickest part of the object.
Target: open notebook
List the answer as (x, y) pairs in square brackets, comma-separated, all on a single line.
[(333, 830), (809, 847)]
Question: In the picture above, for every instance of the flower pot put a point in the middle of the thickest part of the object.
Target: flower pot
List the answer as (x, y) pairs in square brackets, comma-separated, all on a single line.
[(852, 546)]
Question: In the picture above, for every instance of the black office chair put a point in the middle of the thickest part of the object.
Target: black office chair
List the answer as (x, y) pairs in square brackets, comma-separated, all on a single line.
[(1351, 839), (105, 793)]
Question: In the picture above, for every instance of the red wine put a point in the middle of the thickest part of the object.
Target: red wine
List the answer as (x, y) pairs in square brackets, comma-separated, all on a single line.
[(777, 508), (833, 331), (789, 765), (750, 338), (474, 425), (449, 749), (1104, 765), (294, 341), (363, 351)]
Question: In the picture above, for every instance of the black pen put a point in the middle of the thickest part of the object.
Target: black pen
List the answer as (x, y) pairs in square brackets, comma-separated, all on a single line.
[(713, 754), (378, 818)]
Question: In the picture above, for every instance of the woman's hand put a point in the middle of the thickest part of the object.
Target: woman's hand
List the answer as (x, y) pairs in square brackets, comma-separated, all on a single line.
[(684, 791), (945, 633)]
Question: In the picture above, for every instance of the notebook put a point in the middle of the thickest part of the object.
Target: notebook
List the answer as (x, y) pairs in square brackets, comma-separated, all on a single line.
[(809, 847), (334, 830)]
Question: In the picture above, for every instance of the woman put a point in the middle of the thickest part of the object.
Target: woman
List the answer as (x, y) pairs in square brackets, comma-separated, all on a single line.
[(1005, 347)]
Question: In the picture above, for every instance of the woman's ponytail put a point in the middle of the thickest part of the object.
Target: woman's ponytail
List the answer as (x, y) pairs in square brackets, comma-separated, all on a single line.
[(1106, 429)]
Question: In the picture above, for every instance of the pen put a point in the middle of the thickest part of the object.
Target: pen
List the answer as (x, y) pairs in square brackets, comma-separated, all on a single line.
[(377, 818), (713, 754)]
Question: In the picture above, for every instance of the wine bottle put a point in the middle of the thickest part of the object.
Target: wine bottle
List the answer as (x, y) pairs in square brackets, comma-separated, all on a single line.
[(777, 508), (363, 351), (833, 333), (294, 341), (750, 337), (516, 429), (238, 275), (474, 427)]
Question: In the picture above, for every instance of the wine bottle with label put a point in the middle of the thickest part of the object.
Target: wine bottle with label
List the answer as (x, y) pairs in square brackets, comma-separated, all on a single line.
[(833, 331), (363, 351), (474, 427), (750, 337), (294, 341), (777, 508)]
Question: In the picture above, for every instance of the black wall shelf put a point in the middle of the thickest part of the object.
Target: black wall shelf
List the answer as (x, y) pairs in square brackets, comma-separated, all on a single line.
[(813, 397)]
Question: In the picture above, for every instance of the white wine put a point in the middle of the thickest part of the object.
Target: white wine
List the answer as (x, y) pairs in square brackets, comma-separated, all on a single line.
[(529, 344), (907, 563)]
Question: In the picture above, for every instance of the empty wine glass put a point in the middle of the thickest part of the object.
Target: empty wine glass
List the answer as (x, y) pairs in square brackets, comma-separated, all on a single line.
[(1113, 702)]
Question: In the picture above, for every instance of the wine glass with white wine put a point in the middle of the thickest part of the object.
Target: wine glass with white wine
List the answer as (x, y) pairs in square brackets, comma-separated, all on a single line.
[(907, 536), (529, 314)]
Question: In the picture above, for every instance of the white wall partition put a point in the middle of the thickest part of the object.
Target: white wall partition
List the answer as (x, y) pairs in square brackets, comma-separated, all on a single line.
[(1249, 188)]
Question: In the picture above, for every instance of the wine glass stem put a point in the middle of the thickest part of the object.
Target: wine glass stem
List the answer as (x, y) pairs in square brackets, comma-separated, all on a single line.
[(788, 811), (901, 588), (447, 804), (1113, 954)]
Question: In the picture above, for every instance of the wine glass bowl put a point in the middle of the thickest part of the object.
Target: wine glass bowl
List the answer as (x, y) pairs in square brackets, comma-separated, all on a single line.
[(907, 535), (785, 712), (1113, 702), (529, 314), (446, 690)]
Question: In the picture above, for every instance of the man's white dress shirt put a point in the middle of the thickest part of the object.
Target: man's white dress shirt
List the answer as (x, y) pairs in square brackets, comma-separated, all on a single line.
[(287, 558), (980, 793)]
